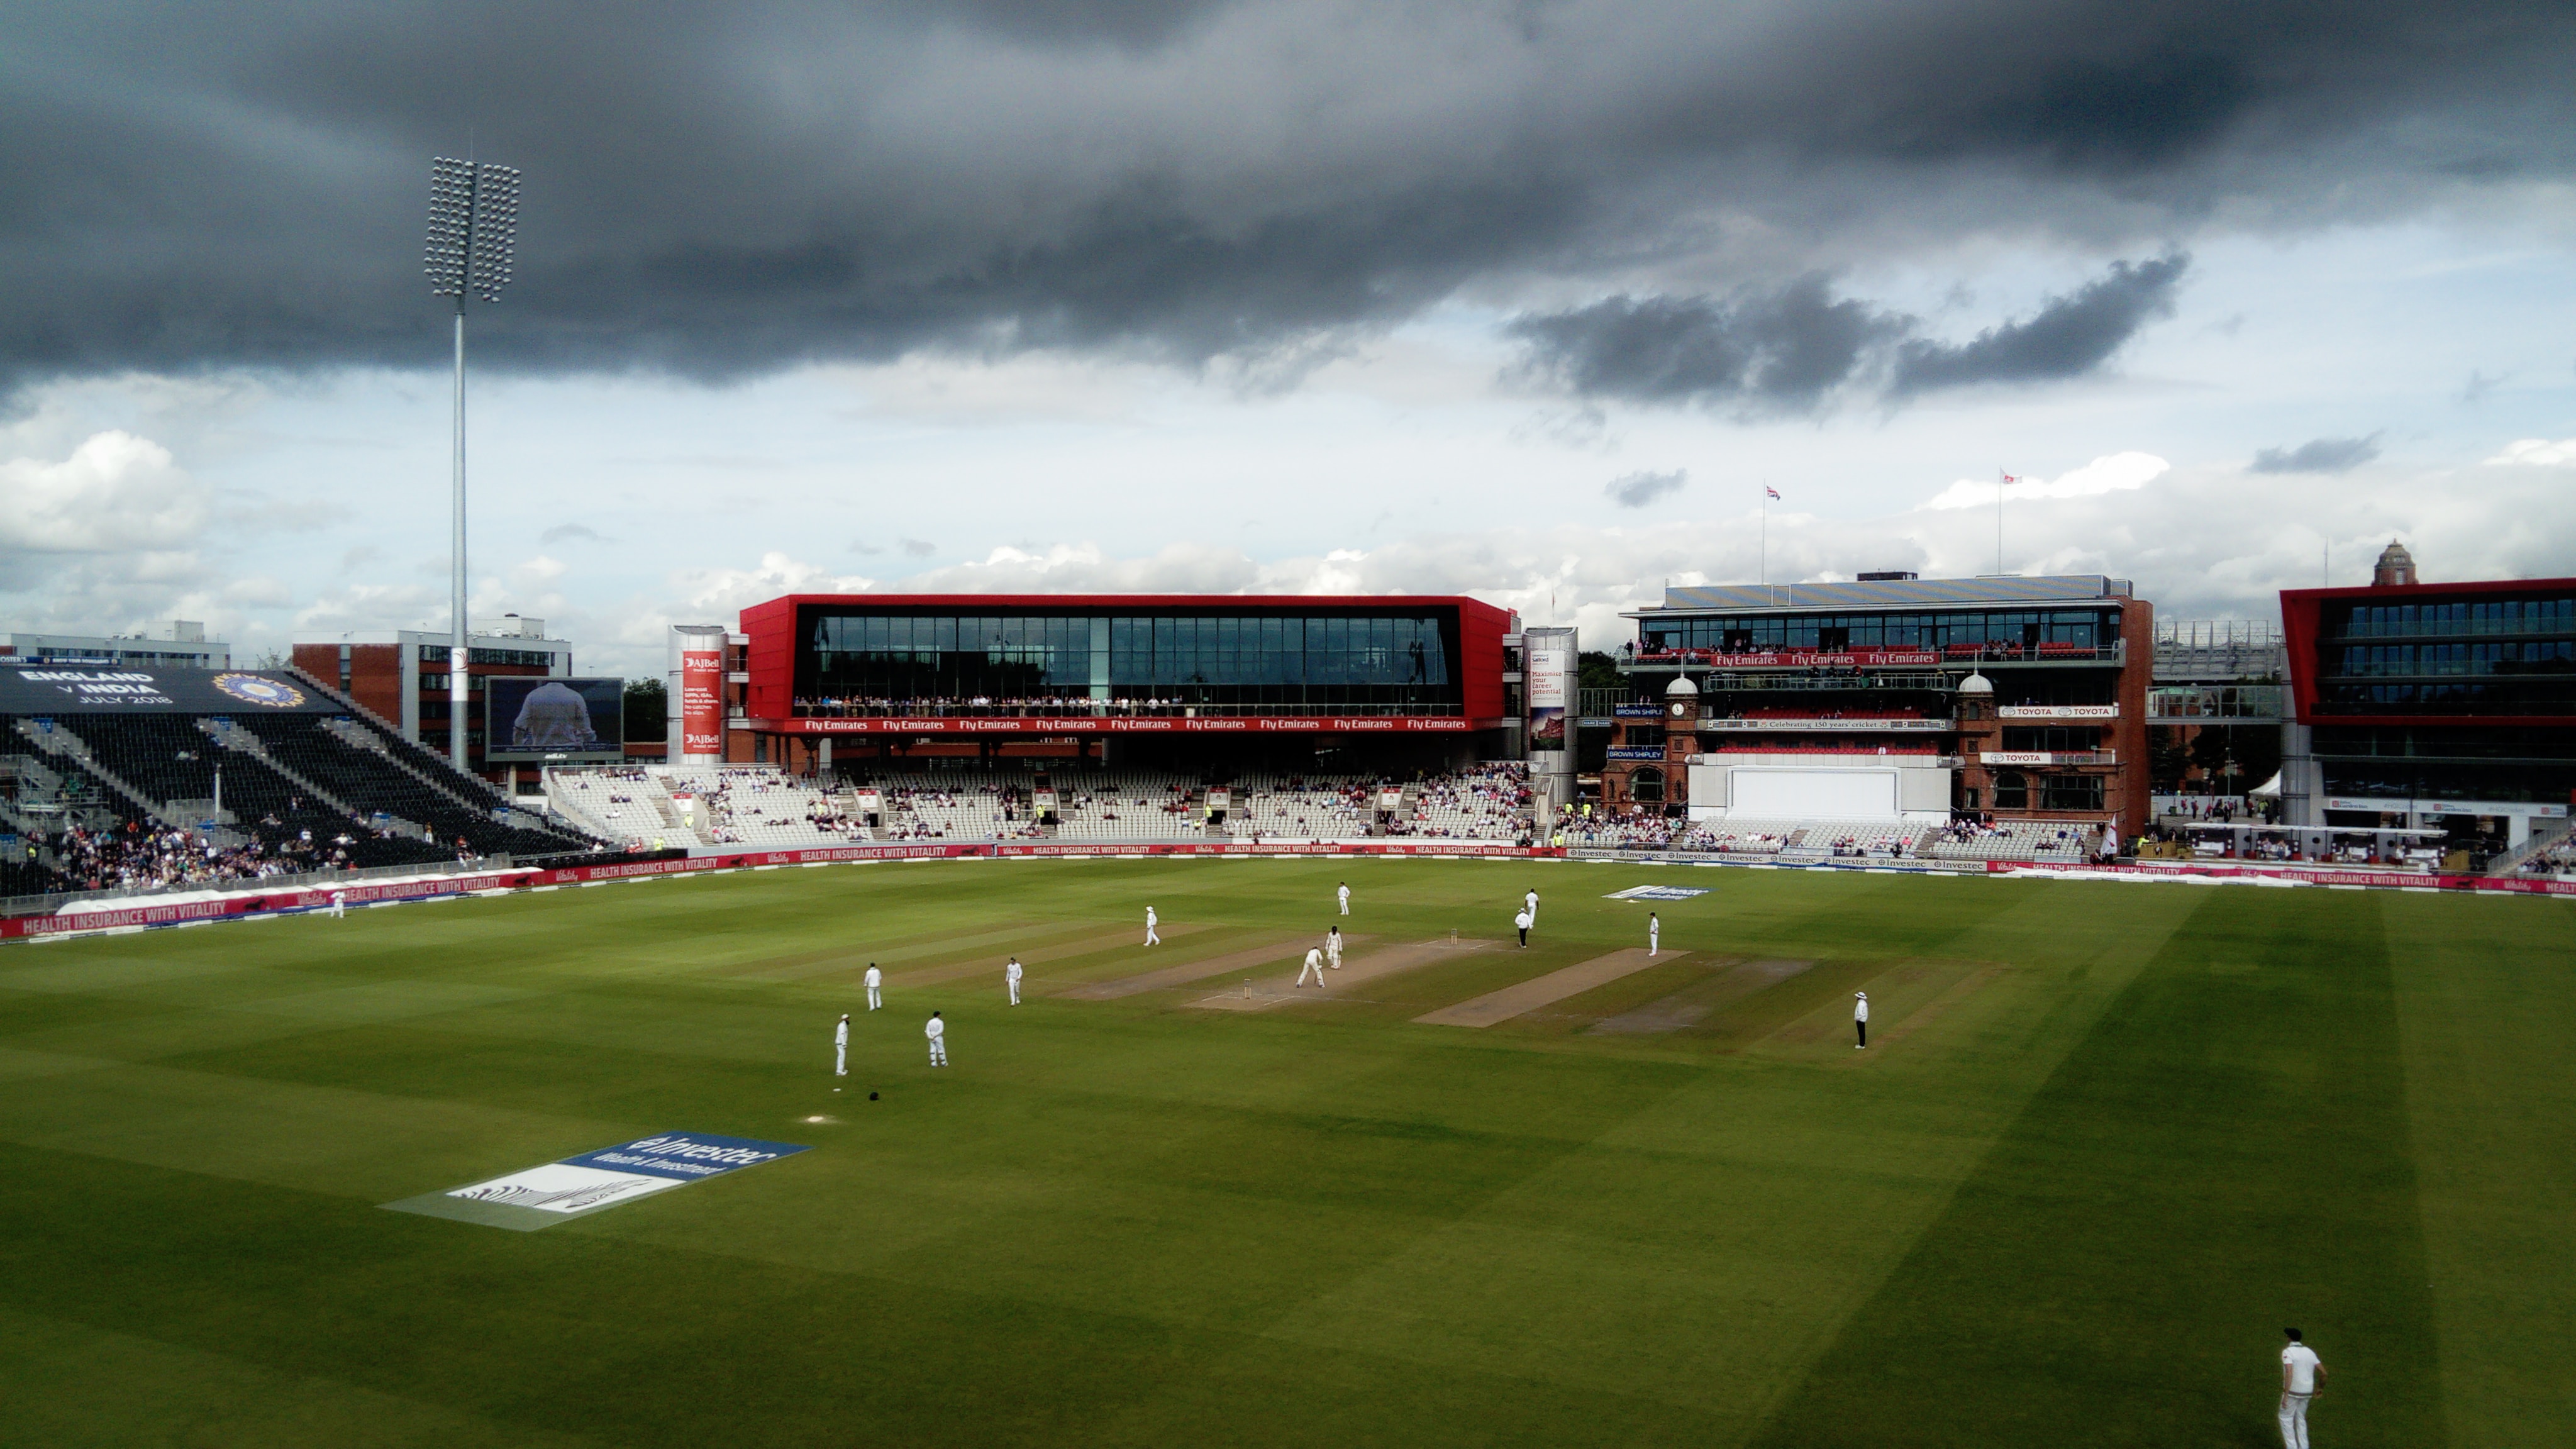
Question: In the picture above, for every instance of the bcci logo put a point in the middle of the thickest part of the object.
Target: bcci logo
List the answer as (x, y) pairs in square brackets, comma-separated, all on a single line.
[(255, 689)]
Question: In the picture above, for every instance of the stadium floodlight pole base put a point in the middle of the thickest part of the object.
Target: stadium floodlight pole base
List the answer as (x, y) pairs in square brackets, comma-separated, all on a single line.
[(458, 659)]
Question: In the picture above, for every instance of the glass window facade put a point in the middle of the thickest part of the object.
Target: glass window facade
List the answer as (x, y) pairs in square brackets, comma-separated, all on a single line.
[(2079, 629), (437, 654), (1248, 658), (2470, 657), (2436, 763)]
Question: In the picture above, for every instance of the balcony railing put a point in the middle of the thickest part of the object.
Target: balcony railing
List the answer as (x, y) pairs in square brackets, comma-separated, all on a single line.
[(1632, 657), (2250, 702), (2058, 711), (1840, 724), (1092, 709)]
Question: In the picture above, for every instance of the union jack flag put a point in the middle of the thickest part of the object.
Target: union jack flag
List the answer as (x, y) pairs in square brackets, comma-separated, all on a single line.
[(1770, 491)]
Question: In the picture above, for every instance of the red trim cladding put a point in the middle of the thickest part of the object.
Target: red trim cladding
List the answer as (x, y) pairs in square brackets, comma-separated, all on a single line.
[(2303, 609), (1481, 628), (2299, 610), (771, 657)]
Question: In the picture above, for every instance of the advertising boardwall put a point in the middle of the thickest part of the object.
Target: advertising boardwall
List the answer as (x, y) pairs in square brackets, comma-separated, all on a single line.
[(252, 902), (40, 693), (697, 703), (1549, 662)]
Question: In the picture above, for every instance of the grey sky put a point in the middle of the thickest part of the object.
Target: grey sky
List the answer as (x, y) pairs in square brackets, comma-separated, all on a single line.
[(727, 189), (1069, 293)]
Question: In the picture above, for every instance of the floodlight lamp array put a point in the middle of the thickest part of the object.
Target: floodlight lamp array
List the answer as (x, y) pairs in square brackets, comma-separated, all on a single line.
[(473, 228)]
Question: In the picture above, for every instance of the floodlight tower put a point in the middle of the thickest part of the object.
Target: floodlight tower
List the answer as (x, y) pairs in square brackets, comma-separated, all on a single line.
[(473, 219)]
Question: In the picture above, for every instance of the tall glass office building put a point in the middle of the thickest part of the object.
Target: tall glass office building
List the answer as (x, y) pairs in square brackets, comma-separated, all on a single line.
[(2435, 703)]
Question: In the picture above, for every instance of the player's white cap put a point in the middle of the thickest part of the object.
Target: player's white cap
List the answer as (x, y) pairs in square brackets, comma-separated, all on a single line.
[(1863, 995)]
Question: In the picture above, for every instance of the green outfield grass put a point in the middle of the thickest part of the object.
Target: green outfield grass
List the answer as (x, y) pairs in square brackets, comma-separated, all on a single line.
[(2106, 1142)]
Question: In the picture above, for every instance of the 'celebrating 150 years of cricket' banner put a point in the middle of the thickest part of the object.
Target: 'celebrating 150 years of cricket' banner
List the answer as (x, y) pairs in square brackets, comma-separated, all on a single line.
[(540, 1197)]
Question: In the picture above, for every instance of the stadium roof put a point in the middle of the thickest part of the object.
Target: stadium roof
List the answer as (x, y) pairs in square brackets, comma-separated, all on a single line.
[(1898, 593)]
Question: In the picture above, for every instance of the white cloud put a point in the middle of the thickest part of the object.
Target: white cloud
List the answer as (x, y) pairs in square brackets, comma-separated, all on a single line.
[(116, 491), (715, 595), (1179, 568), (372, 606), (2115, 473), (2535, 453)]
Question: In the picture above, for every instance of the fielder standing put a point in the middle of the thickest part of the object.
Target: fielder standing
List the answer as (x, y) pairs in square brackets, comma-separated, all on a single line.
[(1529, 903), (1521, 923), (1344, 893), (1860, 1019), (937, 1031), (876, 979), (340, 905), (1011, 977), (841, 1047), (1654, 933), (1314, 967), (2302, 1379), (1150, 919), (1333, 948)]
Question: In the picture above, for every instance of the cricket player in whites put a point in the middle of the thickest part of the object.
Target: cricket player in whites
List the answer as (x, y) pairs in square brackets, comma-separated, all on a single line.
[(937, 1031), (1530, 901), (1314, 967), (1150, 920), (340, 905), (1333, 948), (876, 980), (1344, 893), (1654, 934), (1011, 978), (2302, 1379), (841, 1047)]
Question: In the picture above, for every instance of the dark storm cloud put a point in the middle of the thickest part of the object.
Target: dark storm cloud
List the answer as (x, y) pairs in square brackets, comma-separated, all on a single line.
[(721, 190), (2068, 337), (1636, 490), (1785, 351), (2318, 455), (1763, 351)]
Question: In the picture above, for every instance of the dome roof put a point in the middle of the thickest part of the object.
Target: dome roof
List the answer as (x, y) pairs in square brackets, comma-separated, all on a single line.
[(1681, 685), (1976, 684)]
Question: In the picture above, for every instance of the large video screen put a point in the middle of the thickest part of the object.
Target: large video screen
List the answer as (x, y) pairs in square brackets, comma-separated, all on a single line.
[(533, 718)]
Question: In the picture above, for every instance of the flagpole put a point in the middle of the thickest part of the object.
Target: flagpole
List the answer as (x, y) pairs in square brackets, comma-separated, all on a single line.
[(1762, 564), (2001, 478)]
